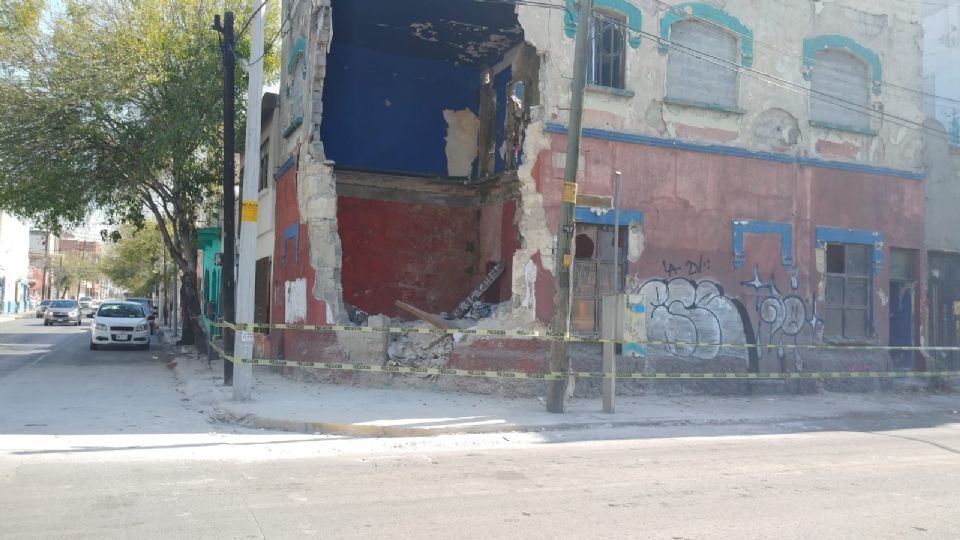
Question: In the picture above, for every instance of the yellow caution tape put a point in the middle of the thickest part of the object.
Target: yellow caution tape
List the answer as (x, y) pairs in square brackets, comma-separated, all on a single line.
[(520, 375), (550, 336)]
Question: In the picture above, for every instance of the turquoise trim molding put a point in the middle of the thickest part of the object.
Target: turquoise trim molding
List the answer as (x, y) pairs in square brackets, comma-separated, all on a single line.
[(298, 51), (834, 41), (709, 106), (841, 127), (634, 18), (297, 122), (646, 140), (700, 10), (620, 92)]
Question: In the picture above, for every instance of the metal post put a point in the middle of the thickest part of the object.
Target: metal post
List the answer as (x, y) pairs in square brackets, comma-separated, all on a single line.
[(560, 324), (243, 348), (612, 310)]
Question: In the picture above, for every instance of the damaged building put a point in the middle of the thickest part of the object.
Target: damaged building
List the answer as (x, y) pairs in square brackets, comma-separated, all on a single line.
[(772, 181)]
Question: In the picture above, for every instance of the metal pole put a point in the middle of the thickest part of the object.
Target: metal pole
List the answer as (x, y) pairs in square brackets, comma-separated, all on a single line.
[(227, 276), (612, 310), (617, 275), (560, 324), (243, 349)]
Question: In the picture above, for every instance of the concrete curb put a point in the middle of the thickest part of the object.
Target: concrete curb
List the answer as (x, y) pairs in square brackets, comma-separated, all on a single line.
[(360, 430)]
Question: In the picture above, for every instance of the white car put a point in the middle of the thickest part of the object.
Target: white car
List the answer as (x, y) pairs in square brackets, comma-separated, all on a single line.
[(120, 323)]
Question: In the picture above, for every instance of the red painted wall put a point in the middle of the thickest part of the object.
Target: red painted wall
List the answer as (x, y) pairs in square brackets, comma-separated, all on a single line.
[(422, 254), (690, 199)]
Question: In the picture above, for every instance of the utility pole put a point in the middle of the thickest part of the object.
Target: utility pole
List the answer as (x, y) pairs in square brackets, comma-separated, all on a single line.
[(227, 276), (560, 325), (243, 350)]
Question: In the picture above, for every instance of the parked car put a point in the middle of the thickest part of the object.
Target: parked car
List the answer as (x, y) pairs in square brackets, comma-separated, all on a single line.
[(86, 307), (121, 323), (62, 312), (148, 307), (42, 307)]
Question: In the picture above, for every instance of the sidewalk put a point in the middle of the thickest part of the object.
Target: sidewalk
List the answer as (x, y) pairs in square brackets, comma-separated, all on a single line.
[(7, 317), (282, 404)]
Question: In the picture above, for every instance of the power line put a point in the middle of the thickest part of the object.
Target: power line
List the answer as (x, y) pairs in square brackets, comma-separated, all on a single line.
[(783, 83), (725, 31), (250, 19), (788, 54), (762, 76)]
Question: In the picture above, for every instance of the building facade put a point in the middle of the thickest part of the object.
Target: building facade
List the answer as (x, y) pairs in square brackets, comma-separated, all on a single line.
[(771, 156), (14, 264)]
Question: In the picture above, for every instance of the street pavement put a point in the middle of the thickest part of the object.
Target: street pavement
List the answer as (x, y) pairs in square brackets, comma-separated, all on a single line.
[(103, 444)]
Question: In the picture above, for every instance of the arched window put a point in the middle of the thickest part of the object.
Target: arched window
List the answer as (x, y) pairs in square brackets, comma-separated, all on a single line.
[(839, 89), (608, 46), (702, 64)]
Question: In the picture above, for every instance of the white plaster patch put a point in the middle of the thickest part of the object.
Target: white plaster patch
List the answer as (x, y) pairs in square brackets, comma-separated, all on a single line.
[(530, 277), (635, 242), (884, 299), (296, 302), (463, 128)]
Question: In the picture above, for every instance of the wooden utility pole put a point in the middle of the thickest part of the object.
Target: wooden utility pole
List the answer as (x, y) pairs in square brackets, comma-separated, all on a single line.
[(559, 360), (227, 271)]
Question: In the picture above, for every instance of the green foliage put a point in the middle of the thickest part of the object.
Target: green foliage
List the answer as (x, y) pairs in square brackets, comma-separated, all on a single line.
[(116, 105), (135, 262), (71, 269)]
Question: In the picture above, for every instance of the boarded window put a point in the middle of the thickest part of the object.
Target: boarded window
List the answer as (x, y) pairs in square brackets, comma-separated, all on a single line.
[(848, 291), (594, 274), (608, 50), (695, 77), (840, 90)]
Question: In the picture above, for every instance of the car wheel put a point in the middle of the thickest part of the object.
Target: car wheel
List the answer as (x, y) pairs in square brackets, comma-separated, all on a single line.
[(93, 346), (46, 323)]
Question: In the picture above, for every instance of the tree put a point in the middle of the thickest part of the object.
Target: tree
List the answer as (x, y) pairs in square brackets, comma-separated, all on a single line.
[(72, 270), (135, 261), (117, 105)]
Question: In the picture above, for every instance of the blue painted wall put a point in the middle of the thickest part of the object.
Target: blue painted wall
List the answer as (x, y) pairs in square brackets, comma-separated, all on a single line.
[(500, 84), (361, 130)]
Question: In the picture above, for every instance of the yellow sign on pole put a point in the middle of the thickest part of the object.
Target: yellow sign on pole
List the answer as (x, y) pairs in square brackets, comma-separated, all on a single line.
[(248, 211)]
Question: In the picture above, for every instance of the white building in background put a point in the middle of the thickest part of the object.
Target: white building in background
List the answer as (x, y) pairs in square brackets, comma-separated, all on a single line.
[(14, 264), (941, 56)]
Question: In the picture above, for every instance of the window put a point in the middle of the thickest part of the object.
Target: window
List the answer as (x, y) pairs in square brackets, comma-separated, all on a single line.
[(264, 165), (593, 274), (848, 291), (608, 50), (695, 78), (840, 89)]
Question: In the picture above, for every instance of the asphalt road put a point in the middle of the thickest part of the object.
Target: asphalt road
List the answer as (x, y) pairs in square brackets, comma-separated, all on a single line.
[(99, 444)]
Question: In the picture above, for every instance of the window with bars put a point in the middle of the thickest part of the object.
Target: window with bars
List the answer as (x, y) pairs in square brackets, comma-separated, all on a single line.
[(594, 274), (848, 291), (608, 49), (264, 165)]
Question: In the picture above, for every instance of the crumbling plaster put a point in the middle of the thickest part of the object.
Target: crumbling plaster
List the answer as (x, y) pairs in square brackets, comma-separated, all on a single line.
[(887, 27), (316, 182)]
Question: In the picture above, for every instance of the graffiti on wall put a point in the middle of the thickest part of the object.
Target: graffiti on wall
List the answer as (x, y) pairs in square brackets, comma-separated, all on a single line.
[(689, 268), (694, 318), (782, 318)]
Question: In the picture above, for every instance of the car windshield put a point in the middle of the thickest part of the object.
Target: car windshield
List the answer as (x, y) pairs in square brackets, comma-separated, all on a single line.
[(120, 311), (63, 304), (45, 303)]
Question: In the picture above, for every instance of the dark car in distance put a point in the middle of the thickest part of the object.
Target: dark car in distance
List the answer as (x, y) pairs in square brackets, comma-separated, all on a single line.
[(62, 312)]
